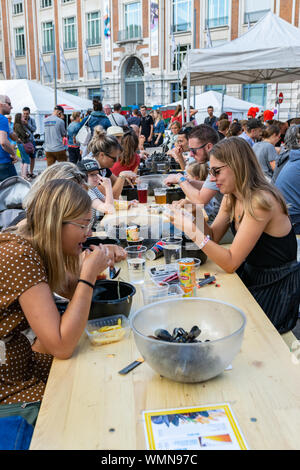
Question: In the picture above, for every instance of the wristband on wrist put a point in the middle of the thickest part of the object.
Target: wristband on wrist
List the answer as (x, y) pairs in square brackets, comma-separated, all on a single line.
[(86, 282), (182, 179), (206, 239)]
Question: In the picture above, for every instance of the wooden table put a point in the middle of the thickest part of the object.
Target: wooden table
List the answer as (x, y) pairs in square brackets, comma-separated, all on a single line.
[(88, 405)]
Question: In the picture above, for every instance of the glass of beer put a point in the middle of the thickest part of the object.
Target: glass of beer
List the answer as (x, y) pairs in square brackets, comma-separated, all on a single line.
[(160, 195), (142, 190)]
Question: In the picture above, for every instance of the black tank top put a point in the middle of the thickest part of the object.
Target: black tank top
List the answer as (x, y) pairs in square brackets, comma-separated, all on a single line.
[(270, 252)]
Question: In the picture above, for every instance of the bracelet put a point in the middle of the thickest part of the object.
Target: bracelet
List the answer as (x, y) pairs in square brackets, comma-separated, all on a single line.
[(182, 179), (86, 282), (206, 239)]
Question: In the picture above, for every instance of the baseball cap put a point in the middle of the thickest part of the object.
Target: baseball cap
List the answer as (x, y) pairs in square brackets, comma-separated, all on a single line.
[(87, 165), (115, 130)]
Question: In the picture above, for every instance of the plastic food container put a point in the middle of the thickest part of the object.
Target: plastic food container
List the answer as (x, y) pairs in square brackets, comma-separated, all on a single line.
[(120, 204), (107, 330)]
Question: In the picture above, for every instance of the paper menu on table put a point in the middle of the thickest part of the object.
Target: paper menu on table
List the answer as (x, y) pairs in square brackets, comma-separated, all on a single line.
[(210, 427)]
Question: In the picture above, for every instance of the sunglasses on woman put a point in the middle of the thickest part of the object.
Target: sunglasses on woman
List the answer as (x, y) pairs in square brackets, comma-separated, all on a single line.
[(214, 171)]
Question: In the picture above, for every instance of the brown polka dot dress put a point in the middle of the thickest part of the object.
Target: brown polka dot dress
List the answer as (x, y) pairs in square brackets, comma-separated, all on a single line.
[(23, 373)]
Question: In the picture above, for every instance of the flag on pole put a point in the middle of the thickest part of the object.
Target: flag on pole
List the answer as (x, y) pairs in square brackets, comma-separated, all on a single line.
[(208, 38), (173, 49), (86, 57), (249, 26), (42, 64), (63, 62), (13, 67)]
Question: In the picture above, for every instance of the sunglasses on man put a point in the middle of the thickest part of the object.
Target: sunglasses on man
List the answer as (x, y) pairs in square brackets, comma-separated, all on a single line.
[(194, 150)]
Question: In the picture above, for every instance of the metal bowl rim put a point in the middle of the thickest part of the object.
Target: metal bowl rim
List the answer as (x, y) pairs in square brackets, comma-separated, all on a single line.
[(155, 304)]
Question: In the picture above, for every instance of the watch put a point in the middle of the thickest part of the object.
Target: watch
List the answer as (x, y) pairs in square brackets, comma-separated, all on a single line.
[(182, 179)]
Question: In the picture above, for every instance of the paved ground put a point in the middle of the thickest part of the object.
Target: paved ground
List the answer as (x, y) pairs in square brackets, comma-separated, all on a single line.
[(40, 165)]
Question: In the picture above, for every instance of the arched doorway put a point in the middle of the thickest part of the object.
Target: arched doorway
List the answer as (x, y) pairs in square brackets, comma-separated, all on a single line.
[(133, 82)]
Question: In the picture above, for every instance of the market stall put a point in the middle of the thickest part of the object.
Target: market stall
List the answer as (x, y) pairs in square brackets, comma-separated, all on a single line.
[(269, 52), (40, 99)]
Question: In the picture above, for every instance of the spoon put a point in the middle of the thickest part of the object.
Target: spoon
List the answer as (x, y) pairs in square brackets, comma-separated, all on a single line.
[(113, 273)]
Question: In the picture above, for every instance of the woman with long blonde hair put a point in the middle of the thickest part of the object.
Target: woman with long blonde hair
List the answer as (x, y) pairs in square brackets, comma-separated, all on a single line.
[(264, 249), (41, 257)]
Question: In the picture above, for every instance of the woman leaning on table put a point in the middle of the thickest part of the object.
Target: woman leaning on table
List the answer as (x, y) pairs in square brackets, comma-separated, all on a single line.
[(264, 249), (41, 257), (107, 151)]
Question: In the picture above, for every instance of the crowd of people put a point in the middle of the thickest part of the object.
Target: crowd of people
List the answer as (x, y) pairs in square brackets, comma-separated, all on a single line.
[(245, 173)]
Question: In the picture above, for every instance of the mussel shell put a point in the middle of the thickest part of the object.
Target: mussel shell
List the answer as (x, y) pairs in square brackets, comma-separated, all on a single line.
[(164, 335), (194, 332)]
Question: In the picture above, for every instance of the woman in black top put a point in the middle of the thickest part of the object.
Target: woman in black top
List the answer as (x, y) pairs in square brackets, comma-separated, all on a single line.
[(264, 249)]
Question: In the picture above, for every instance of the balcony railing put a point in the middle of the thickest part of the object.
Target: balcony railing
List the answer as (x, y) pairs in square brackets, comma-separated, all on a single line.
[(48, 48), (70, 45), (19, 52), (254, 16), (131, 33), (93, 41), (216, 22), (180, 28)]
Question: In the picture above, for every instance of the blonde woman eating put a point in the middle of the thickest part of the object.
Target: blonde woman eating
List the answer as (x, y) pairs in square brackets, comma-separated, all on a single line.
[(264, 249), (39, 258)]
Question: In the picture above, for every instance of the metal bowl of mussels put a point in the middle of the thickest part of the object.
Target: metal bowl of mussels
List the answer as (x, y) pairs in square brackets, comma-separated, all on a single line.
[(188, 340)]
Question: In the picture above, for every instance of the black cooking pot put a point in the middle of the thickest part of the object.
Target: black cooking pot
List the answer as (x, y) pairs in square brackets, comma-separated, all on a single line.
[(191, 250), (100, 240), (174, 194), (111, 298), (130, 193)]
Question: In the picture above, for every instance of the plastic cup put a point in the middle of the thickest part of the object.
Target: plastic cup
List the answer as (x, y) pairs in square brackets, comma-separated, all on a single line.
[(154, 292), (142, 190), (172, 249), (160, 195), (136, 262)]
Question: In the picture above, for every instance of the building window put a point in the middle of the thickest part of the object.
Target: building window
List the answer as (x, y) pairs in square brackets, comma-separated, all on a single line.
[(46, 3), (70, 40), (48, 37), (181, 16), (176, 92), (93, 29), (133, 23), (93, 66), (256, 9), (19, 42), (179, 56), (94, 93), (218, 88), (67, 1), (255, 93), (22, 71), (72, 91), (17, 7), (217, 13)]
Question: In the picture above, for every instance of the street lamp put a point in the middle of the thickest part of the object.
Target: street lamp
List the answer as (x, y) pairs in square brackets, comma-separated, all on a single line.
[(148, 90)]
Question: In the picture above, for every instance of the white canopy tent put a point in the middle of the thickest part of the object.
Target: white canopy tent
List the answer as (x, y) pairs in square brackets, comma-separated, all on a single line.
[(40, 99), (238, 108), (269, 52)]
